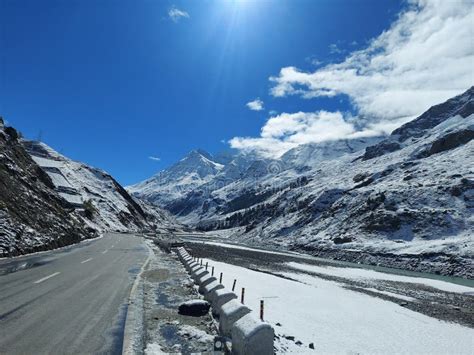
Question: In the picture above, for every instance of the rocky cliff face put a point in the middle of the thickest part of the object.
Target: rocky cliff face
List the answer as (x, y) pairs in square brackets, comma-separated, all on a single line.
[(33, 216)]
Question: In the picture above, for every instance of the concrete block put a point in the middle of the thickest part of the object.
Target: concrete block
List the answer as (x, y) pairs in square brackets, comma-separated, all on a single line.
[(198, 274), (191, 265), (194, 269), (230, 313), (206, 280), (214, 285), (219, 298), (252, 336), (202, 278)]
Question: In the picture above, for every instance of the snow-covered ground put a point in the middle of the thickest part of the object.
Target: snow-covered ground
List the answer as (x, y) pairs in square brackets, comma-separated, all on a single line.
[(340, 321)]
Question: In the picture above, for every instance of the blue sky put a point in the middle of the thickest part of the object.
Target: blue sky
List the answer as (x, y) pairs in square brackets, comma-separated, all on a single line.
[(113, 83)]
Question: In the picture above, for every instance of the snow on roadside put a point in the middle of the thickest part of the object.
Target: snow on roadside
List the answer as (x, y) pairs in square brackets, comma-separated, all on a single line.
[(359, 273), (338, 320), (199, 335), (153, 349)]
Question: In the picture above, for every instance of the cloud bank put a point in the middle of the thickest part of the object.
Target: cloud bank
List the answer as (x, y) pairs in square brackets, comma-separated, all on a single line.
[(424, 58)]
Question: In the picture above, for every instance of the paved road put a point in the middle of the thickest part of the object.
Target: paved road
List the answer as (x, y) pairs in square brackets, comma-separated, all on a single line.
[(69, 301)]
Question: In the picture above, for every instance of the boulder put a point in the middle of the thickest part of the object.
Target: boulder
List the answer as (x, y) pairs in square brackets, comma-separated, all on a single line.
[(194, 308)]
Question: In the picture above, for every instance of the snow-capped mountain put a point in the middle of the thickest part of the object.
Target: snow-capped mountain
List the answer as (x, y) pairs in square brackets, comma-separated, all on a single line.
[(196, 169), (193, 178), (101, 200)]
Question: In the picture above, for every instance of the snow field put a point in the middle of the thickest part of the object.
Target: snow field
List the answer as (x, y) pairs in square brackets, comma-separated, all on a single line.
[(340, 321)]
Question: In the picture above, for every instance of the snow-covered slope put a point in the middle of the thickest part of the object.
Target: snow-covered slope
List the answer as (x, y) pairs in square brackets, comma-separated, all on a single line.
[(96, 195), (32, 214), (309, 155)]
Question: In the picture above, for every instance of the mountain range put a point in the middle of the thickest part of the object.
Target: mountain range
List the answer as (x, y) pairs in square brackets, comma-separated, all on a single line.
[(403, 200)]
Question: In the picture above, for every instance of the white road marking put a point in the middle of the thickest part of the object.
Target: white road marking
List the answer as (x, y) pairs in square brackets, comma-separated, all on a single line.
[(85, 261), (46, 278), (105, 251)]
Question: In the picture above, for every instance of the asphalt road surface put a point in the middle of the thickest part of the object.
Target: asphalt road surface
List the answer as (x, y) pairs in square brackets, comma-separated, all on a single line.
[(69, 301)]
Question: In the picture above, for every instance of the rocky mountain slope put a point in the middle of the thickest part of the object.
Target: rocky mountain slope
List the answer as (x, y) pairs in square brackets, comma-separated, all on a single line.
[(48, 201), (32, 215), (405, 201), (95, 194)]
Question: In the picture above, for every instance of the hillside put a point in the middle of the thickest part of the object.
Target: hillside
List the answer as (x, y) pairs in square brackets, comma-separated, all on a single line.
[(48, 201), (95, 194), (33, 217)]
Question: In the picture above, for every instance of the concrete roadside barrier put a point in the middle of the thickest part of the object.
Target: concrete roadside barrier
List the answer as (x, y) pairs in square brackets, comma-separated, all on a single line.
[(184, 258), (195, 268), (219, 298), (206, 290), (190, 265), (252, 336), (230, 313), (206, 280), (203, 278), (188, 260), (198, 275), (183, 254)]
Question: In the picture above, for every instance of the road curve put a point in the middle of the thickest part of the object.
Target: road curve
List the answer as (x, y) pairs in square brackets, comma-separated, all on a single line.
[(69, 301)]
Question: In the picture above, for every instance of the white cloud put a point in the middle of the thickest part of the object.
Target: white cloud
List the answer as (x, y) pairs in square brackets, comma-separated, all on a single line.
[(151, 157), (288, 130), (255, 105), (176, 14), (424, 58)]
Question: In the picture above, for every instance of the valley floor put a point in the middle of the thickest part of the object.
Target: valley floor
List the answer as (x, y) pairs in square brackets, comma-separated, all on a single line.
[(346, 309)]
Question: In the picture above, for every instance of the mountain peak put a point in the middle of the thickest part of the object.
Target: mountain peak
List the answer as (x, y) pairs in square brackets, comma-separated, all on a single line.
[(199, 152)]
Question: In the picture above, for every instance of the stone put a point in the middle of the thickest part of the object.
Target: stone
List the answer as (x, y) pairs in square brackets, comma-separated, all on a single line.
[(194, 308)]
